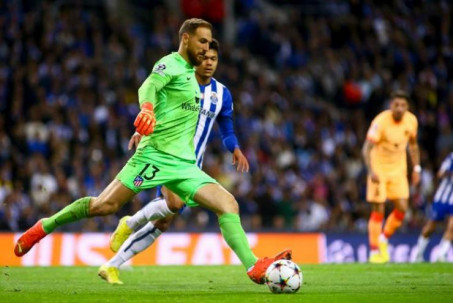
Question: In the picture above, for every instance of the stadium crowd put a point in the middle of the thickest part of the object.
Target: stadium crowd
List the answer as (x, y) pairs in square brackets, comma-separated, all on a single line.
[(305, 82)]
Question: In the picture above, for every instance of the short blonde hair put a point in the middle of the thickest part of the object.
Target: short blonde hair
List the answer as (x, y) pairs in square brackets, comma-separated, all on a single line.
[(190, 26)]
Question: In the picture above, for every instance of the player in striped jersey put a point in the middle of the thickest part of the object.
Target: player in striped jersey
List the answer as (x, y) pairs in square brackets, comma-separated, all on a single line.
[(216, 105), (442, 207)]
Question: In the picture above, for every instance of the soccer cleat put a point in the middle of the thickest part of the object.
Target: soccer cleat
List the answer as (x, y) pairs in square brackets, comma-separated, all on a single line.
[(121, 233), (441, 258), (377, 259), (384, 251), (28, 239), (258, 271), (109, 274), (419, 259)]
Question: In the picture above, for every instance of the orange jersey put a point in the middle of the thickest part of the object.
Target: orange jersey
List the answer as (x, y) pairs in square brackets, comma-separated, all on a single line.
[(388, 155)]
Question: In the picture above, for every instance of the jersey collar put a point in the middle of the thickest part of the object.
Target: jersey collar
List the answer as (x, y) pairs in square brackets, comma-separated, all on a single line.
[(180, 59), (210, 82)]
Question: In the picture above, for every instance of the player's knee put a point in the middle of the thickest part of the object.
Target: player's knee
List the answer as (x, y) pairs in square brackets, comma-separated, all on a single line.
[(101, 207), (163, 224), (403, 209), (399, 213), (449, 234), (229, 205), (174, 204), (401, 205)]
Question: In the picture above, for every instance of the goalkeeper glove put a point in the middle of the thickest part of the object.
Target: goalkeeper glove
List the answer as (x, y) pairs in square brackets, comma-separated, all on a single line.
[(145, 121)]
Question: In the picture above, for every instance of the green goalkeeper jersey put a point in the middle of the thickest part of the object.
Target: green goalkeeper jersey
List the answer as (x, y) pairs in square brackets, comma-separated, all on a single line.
[(174, 92)]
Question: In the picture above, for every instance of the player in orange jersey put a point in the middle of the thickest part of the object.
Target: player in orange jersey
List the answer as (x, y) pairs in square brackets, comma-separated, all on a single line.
[(391, 133)]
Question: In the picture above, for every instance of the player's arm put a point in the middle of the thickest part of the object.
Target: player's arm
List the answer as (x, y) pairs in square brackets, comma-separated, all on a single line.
[(446, 169), (443, 173), (414, 153), (373, 136), (145, 121), (134, 140), (229, 139), (366, 153)]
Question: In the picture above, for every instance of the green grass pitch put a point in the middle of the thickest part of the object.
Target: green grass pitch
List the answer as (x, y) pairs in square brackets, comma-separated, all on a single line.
[(322, 283)]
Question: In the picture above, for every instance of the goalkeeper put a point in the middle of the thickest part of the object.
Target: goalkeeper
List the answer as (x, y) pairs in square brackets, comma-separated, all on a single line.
[(169, 100), (216, 106)]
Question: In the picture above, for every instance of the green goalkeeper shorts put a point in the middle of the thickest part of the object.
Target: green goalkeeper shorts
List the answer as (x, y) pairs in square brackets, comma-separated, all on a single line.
[(148, 168)]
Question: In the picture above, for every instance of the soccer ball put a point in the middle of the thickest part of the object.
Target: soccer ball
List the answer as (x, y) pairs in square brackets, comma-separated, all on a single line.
[(284, 276)]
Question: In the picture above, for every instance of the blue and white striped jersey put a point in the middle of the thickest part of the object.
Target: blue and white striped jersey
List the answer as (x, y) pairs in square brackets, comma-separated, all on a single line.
[(216, 104), (444, 193)]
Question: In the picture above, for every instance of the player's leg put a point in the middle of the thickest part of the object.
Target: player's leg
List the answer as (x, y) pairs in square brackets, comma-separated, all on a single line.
[(423, 239), (375, 195), (108, 202), (445, 243), (159, 208), (392, 223), (398, 194), (375, 230), (136, 175), (224, 205), (195, 186), (136, 243), (124, 230), (436, 214), (139, 241), (149, 168), (396, 217), (397, 187)]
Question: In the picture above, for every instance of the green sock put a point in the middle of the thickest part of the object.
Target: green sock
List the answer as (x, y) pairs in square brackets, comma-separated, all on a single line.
[(73, 212), (234, 235)]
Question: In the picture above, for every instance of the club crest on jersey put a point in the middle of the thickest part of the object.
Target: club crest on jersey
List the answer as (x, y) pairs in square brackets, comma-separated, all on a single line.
[(214, 98), (159, 69), (138, 181)]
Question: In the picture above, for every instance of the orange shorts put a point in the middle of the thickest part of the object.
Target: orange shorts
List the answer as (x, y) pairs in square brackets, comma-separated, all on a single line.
[(392, 187)]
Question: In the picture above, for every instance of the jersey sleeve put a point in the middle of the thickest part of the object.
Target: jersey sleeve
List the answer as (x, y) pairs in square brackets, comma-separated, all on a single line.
[(374, 133), (225, 122), (160, 76)]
